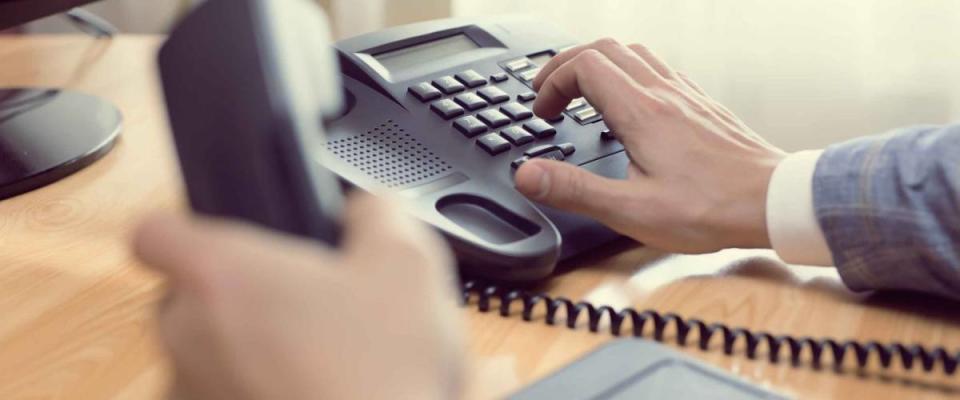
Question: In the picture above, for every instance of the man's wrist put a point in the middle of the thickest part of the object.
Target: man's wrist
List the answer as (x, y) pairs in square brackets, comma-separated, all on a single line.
[(792, 225)]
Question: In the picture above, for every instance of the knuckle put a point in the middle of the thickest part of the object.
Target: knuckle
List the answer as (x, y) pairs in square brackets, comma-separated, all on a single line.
[(627, 113), (199, 263), (205, 279), (575, 186), (590, 56), (606, 42), (592, 62), (695, 215), (644, 51), (700, 109), (639, 48), (660, 106)]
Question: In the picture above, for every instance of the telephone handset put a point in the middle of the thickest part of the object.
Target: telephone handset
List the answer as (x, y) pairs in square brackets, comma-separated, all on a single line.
[(437, 112), (246, 84)]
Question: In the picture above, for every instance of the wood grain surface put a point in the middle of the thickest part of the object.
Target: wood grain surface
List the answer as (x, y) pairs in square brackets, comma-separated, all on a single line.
[(75, 308)]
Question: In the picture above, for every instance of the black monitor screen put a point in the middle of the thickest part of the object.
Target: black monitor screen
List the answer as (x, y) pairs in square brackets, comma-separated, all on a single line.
[(17, 12)]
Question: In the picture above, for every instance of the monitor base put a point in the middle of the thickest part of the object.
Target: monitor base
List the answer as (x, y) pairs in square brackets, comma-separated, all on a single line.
[(48, 134)]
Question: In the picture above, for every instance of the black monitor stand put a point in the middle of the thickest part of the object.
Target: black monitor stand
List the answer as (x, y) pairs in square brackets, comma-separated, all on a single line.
[(48, 134)]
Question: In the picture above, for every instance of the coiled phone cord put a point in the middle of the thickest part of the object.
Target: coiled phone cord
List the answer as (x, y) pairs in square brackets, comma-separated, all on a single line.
[(929, 359)]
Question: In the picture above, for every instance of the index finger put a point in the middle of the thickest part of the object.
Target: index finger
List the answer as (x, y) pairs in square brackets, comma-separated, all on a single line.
[(592, 75), (555, 63)]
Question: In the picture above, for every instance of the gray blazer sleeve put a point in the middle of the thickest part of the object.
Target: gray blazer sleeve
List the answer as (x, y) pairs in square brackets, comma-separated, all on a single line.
[(889, 208)]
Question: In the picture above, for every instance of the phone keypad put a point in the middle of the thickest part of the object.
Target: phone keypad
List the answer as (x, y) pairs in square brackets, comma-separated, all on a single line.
[(481, 110)]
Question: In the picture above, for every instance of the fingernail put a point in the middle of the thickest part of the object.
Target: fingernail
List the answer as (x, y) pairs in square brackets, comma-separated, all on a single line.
[(535, 177)]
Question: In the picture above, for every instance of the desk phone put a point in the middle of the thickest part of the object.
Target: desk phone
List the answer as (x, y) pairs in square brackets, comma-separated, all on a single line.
[(263, 110), (440, 113), (437, 113)]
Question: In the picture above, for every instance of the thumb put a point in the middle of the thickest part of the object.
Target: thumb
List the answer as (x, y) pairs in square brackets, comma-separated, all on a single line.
[(568, 187)]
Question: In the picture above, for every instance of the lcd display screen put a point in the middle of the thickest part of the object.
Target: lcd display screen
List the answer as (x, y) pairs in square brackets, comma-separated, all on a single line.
[(397, 61)]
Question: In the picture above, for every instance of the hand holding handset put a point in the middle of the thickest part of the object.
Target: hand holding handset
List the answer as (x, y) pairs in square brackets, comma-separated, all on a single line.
[(246, 99)]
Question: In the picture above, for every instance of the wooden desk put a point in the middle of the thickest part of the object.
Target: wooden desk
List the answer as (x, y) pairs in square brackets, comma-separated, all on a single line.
[(75, 310)]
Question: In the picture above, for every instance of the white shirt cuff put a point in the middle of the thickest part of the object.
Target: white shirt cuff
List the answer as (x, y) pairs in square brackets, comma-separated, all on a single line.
[(791, 222)]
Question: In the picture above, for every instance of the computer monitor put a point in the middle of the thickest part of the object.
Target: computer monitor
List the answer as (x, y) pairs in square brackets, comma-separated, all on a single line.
[(18, 12), (47, 133)]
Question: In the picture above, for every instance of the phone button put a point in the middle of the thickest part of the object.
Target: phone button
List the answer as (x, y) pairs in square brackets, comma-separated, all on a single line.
[(517, 111), (529, 74), (607, 134), (555, 154), (471, 78), (470, 126), (494, 118), (556, 118), (585, 114), (516, 65), (471, 101), (493, 144), (527, 96), (493, 94), (449, 85), (576, 103), (539, 128), (565, 149), (425, 92), (516, 135), (446, 108), (498, 77)]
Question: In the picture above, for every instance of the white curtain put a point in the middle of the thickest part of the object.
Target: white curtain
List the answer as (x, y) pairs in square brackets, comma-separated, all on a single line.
[(353, 17), (804, 73)]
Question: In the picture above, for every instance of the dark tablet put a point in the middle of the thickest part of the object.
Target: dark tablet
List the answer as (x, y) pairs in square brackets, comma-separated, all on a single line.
[(640, 369)]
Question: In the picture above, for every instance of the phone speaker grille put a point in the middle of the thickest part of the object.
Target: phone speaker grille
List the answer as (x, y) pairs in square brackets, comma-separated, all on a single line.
[(390, 155)]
